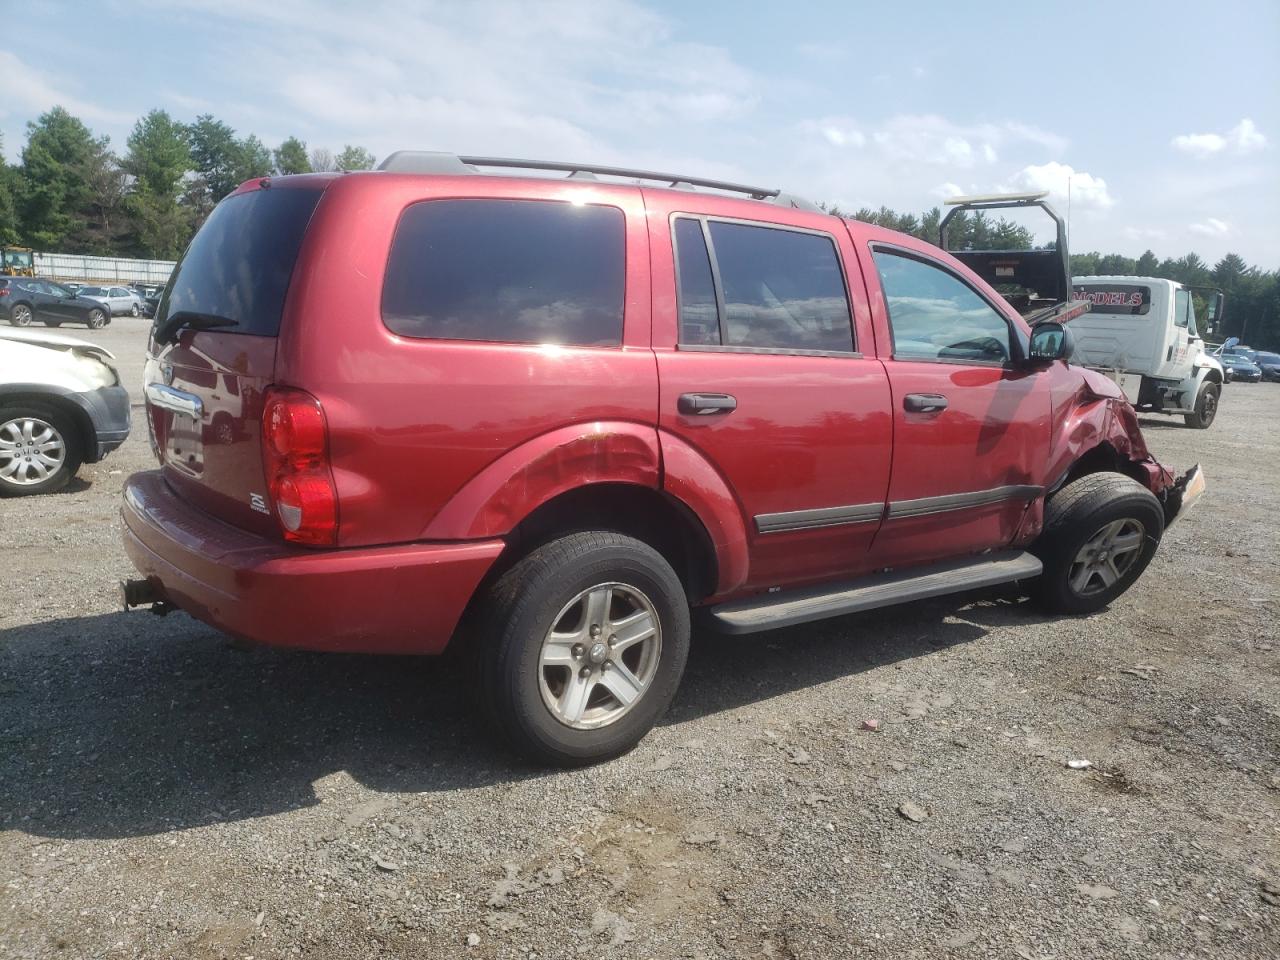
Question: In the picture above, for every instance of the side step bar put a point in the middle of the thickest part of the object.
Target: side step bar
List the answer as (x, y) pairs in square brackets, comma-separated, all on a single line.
[(878, 590)]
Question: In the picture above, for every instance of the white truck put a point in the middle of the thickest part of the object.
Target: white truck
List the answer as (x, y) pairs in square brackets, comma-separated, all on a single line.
[(1144, 334)]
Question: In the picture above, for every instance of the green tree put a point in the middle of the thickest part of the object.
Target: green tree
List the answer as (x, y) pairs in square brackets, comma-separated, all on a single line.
[(8, 209), (108, 182), (253, 159), (159, 155), (291, 157), (215, 157), (354, 158), (54, 196)]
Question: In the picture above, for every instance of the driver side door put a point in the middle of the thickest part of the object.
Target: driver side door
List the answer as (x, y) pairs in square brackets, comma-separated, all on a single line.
[(972, 423)]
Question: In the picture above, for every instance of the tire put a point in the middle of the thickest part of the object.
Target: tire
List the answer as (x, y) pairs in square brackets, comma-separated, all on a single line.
[(134, 311), (20, 315), (529, 699), (1086, 522), (96, 319), (1206, 406), (20, 475)]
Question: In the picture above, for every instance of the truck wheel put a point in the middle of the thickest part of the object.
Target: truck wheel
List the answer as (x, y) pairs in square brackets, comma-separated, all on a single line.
[(583, 643), (1100, 532), (39, 450), (1206, 406)]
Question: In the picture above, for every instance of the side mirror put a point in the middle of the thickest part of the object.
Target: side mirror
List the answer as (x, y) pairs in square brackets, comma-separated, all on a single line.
[(1051, 341)]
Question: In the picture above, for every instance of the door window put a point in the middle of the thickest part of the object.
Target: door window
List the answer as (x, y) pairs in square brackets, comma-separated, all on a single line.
[(933, 315), (1181, 308)]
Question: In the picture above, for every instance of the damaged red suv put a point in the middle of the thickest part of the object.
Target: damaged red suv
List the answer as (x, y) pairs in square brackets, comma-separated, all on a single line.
[(547, 416)]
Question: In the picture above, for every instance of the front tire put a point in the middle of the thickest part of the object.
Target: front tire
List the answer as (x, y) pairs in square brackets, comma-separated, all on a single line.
[(1100, 532), (96, 320), (1206, 406), (39, 450), (20, 316), (583, 643)]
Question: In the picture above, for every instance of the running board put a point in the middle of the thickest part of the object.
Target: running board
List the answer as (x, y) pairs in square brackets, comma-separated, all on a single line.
[(878, 590)]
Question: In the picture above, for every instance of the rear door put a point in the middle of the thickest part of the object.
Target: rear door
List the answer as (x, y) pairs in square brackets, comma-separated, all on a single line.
[(971, 424), (758, 334), (204, 391)]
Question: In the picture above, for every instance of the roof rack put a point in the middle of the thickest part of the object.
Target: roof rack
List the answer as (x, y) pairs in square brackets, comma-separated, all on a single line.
[(430, 161)]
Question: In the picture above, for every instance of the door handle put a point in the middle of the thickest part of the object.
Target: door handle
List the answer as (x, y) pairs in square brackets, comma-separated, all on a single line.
[(705, 404), (924, 403)]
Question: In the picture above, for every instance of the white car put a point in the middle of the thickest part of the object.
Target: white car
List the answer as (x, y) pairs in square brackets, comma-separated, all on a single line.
[(121, 300), (61, 405)]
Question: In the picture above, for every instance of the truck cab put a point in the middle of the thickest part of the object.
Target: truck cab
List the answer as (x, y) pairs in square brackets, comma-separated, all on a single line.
[(1143, 332)]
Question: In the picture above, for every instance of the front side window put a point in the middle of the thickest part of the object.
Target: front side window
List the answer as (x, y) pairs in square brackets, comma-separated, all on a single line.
[(1181, 307), (933, 315), (508, 271)]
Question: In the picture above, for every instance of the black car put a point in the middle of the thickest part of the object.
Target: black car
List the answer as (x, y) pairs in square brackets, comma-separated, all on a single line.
[(24, 299), (1270, 365), (1240, 368)]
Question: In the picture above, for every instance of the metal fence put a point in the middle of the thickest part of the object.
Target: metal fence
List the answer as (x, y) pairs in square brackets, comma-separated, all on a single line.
[(71, 266)]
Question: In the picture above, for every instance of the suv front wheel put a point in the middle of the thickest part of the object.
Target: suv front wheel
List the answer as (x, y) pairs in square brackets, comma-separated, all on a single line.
[(584, 642), (1100, 532)]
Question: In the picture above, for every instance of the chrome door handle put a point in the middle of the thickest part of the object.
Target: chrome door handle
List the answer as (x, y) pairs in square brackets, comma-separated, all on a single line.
[(704, 404), (177, 401), (924, 403)]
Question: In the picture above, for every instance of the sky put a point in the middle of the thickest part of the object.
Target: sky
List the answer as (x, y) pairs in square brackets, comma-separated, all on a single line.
[(1163, 117)]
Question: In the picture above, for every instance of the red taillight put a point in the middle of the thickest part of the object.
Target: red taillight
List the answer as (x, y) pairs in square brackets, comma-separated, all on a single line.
[(4, 291), (295, 448)]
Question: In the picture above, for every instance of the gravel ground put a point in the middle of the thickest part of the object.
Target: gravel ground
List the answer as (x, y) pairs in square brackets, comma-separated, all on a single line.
[(165, 794)]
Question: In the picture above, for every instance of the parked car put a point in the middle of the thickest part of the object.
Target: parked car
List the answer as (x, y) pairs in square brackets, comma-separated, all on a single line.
[(546, 417), (120, 300), (61, 405), (1241, 367), (1269, 363), (24, 299)]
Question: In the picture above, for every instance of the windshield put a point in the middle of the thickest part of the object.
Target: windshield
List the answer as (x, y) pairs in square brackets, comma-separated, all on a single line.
[(1123, 299), (239, 264)]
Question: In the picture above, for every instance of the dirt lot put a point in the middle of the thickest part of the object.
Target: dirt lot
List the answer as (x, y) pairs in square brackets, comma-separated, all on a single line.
[(164, 794)]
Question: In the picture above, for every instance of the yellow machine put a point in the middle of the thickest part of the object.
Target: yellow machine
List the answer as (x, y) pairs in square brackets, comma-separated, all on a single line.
[(17, 262)]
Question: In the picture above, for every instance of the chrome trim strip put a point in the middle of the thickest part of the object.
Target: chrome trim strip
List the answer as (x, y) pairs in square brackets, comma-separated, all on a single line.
[(767, 351), (821, 517), (901, 509), (177, 401)]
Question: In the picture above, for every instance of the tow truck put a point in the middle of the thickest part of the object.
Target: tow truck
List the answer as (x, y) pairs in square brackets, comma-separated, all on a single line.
[(1141, 332)]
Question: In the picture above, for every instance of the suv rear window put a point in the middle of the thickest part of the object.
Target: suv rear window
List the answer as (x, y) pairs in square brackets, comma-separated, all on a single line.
[(510, 271), (240, 262)]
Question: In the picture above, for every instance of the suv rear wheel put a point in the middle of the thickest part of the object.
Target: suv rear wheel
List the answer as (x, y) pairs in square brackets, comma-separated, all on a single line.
[(1100, 532), (39, 450), (584, 642)]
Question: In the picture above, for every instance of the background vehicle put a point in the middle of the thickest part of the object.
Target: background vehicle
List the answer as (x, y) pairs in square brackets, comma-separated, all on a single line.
[(1270, 364), (1241, 367), (23, 300), (17, 262), (120, 300), (61, 404), (597, 405)]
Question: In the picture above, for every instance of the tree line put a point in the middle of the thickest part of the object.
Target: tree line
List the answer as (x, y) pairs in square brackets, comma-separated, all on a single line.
[(72, 193), (1253, 294)]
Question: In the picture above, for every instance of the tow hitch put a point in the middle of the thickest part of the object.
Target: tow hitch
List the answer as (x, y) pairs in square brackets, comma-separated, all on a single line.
[(142, 593)]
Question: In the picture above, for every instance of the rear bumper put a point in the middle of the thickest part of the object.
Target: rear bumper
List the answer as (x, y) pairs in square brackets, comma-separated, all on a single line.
[(108, 409), (398, 599)]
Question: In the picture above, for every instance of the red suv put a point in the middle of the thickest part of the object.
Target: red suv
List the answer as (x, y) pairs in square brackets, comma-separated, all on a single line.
[(545, 417)]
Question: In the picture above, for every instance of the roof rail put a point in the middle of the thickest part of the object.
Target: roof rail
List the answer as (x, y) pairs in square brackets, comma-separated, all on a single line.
[(427, 161)]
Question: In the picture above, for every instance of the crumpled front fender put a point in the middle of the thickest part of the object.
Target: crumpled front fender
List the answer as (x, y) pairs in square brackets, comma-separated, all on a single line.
[(1102, 415)]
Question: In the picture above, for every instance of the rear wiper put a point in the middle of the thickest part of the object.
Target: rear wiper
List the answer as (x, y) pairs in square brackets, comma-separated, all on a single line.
[(167, 332)]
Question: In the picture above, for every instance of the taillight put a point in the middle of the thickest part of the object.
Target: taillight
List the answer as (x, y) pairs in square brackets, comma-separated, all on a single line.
[(4, 291), (295, 454)]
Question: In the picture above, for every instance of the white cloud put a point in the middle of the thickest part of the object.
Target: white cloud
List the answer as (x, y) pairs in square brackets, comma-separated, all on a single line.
[(1144, 233), (929, 138), (948, 190), (1211, 227), (25, 86), (1244, 137), (1087, 192)]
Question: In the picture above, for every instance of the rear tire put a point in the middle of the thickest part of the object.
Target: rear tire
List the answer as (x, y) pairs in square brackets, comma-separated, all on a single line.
[(551, 696), (1100, 532), (21, 465), (1206, 408)]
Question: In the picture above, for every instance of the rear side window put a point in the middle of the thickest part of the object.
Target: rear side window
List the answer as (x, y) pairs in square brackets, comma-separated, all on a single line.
[(239, 264), (508, 271)]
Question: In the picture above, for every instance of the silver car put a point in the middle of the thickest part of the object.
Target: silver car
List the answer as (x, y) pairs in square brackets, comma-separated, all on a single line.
[(121, 300)]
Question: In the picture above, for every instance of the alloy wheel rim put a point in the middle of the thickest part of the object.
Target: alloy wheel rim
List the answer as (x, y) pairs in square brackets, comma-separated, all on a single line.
[(95, 319), (31, 451), (1106, 557), (21, 316), (600, 656)]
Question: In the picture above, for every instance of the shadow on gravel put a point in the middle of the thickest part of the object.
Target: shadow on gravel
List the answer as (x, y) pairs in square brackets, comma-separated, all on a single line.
[(126, 725)]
